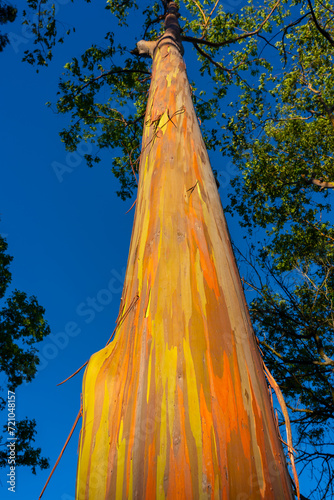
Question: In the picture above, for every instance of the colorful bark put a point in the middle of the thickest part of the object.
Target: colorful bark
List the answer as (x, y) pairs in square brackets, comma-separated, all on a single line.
[(177, 405)]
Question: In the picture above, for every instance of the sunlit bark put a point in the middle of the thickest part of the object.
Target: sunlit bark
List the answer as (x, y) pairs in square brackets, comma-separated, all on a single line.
[(177, 405)]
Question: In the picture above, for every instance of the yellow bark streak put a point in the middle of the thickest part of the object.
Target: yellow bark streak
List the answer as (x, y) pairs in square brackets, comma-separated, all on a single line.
[(193, 407), (120, 462), (162, 454)]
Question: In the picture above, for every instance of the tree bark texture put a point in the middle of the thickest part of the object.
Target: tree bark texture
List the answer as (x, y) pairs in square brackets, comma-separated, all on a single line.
[(177, 405)]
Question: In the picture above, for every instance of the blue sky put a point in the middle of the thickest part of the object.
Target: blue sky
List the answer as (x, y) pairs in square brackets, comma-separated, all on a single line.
[(69, 235)]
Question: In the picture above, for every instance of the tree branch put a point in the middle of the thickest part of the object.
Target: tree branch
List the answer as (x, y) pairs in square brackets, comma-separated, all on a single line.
[(321, 183), (205, 54), (320, 28), (232, 40), (107, 73), (208, 18)]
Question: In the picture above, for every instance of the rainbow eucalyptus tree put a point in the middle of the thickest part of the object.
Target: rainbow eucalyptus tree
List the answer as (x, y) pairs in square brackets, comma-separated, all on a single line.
[(177, 405)]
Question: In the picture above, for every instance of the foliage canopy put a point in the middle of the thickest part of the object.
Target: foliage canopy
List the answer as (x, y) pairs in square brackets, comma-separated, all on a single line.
[(22, 325)]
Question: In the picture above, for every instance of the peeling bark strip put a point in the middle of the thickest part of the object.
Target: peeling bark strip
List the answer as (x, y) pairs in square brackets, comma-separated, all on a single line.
[(177, 405)]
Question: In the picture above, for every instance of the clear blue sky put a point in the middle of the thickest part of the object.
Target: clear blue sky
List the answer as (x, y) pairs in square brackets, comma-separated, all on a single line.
[(69, 239)]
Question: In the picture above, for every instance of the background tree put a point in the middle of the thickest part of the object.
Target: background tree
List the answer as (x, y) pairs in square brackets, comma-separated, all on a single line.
[(22, 325)]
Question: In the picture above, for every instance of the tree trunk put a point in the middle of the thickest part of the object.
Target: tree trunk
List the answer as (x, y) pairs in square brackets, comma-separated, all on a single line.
[(177, 405)]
